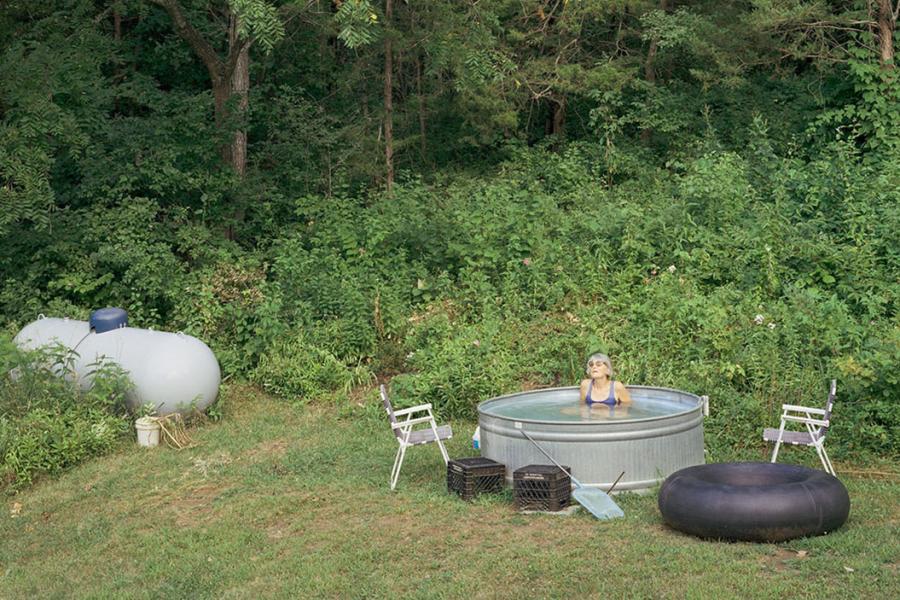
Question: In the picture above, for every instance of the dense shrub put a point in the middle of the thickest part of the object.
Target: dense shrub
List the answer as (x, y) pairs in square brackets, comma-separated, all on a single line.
[(48, 424), (750, 279), (295, 369), (748, 276)]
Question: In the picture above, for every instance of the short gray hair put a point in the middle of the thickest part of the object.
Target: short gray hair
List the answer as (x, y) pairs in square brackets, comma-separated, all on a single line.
[(602, 358)]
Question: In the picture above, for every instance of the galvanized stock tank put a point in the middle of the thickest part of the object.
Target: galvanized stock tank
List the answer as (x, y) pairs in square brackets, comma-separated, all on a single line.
[(172, 372), (658, 434)]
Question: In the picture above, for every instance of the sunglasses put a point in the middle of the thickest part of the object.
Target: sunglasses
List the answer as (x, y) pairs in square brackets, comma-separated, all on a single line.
[(596, 364)]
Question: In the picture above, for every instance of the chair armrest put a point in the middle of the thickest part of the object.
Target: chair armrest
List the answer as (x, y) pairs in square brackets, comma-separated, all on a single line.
[(406, 411), (408, 422), (802, 409), (805, 420)]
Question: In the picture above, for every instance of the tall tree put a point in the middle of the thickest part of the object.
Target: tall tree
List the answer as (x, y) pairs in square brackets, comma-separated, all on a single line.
[(886, 22), (241, 23), (388, 97)]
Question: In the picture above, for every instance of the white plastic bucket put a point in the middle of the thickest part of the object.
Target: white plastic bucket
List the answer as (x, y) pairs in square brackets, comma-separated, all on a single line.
[(147, 432)]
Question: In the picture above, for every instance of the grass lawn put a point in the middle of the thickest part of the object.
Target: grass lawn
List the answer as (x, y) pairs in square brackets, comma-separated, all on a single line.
[(278, 501)]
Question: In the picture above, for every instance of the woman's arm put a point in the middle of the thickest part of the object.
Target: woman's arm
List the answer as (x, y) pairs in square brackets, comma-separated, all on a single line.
[(622, 393), (585, 384)]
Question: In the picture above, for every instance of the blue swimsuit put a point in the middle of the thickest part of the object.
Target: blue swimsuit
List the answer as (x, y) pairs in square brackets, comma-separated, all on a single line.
[(611, 401)]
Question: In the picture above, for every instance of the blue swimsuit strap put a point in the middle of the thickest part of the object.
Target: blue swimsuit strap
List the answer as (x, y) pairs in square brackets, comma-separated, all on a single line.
[(611, 400)]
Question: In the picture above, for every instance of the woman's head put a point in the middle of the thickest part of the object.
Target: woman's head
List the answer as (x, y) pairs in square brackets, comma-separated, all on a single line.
[(598, 365)]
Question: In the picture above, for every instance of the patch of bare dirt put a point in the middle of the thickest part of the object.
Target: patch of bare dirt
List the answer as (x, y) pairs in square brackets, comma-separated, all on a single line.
[(782, 559), (196, 506), (865, 473), (268, 449), (279, 529)]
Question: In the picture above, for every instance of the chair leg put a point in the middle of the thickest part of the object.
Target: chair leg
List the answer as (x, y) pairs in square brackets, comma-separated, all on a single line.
[(822, 458), (775, 451), (398, 463), (443, 451), (778, 442), (394, 466), (826, 462)]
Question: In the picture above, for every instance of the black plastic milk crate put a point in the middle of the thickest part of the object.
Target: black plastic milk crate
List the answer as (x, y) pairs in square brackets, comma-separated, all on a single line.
[(542, 487), (469, 477)]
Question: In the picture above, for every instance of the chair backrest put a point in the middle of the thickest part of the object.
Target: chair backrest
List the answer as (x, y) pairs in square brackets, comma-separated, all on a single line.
[(828, 406), (389, 409)]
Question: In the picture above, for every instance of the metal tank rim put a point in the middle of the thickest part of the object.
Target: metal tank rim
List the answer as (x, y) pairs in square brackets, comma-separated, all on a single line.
[(483, 411)]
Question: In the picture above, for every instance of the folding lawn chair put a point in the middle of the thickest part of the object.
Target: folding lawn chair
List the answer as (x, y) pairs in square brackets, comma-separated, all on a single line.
[(816, 420), (408, 435)]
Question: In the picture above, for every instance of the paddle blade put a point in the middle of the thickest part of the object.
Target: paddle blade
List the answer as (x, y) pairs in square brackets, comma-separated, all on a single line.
[(597, 502)]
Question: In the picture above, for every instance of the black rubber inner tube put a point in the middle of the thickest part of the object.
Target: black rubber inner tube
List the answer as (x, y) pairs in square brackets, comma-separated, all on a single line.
[(761, 502)]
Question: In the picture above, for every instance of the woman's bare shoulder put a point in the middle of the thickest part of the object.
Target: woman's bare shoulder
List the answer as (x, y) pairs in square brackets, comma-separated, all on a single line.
[(622, 393)]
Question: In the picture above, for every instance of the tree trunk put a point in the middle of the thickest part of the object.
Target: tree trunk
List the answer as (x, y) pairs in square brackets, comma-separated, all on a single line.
[(388, 98), (553, 125), (221, 94), (239, 86), (423, 146), (886, 23), (117, 36), (117, 25), (559, 116), (650, 67), (649, 63)]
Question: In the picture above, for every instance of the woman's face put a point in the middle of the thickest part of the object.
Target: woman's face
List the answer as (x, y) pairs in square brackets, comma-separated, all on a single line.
[(597, 369)]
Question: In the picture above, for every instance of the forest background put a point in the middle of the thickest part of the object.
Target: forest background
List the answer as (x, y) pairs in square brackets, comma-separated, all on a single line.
[(465, 196)]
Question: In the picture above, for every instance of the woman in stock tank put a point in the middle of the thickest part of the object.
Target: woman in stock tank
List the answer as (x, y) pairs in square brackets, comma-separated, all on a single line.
[(601, 389)]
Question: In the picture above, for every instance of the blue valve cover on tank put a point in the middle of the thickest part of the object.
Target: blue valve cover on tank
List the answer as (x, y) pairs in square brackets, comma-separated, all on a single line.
[(107, 319)]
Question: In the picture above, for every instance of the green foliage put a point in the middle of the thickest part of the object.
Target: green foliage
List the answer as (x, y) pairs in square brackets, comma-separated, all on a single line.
[(460, 366), (718, 280), (47, 424), (871, 121), (258, 20), (357, 22), (294, 369), (871, 376), (99, 256), (231, 305), (54, 91)]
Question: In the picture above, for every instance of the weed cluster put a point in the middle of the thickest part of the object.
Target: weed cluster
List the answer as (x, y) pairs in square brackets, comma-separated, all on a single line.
[(48, 424)]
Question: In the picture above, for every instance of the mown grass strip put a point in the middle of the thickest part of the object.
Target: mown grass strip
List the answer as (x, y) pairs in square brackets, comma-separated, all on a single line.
[(284, 502)]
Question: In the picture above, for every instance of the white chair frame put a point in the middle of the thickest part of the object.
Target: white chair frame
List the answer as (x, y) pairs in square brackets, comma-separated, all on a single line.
[(816, 421), (404, 428)]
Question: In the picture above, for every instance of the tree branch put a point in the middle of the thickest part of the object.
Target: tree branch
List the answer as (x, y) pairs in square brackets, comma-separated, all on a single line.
[(193, 37)]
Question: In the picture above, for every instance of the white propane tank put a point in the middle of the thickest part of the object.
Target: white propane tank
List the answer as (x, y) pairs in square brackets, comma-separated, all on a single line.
[(172, 372)]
